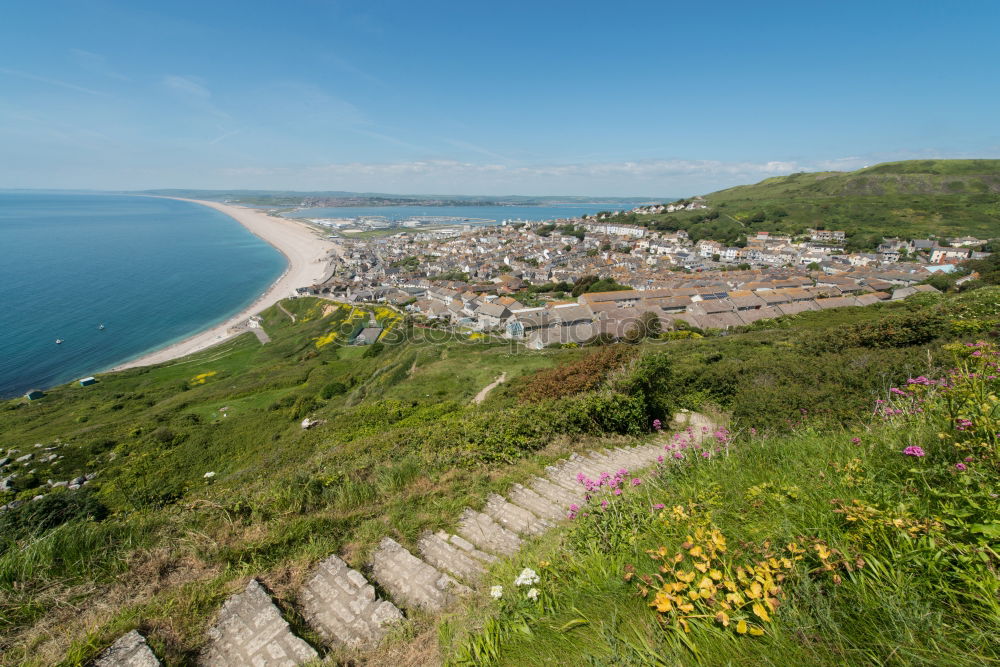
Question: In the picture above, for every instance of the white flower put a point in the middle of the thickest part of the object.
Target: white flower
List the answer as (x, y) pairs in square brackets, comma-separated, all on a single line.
[(533, 594), (496, 592), (526, 578), (209, 475)]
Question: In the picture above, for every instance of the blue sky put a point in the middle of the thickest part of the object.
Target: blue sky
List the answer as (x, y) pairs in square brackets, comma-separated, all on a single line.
[(544, 97)]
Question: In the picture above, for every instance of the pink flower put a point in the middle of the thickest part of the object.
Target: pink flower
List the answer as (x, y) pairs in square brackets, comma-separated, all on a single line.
[(574, 507), (618, 492), (659, 459), (856, 441), (659, 506), (636, 481), (705, 455), (678, 455), (961, 466), (913, 450), (969, 459), (604, 504)]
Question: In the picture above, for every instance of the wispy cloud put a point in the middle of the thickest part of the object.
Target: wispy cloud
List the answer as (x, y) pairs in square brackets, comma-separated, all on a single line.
[(349, 67), (386, 138), (193, 92), (637, 169), (466, 146), (44, 79), (186, 85), (96, 63), (224, 136), (626, 177)]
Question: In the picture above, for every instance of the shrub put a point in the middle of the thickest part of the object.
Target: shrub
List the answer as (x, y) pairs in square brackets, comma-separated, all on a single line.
[(576, 378), (333, 389)]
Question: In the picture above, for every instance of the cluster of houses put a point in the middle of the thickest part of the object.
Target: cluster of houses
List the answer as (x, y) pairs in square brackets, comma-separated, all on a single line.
[(694, 204), (703, 301), (631, 255), (473, 279)]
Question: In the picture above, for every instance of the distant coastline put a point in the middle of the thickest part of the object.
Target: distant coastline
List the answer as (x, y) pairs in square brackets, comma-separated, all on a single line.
[(305, 254)]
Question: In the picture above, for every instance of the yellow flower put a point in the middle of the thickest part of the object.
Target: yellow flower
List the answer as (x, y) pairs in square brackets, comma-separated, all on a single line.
[(662, 602), (761, 612)]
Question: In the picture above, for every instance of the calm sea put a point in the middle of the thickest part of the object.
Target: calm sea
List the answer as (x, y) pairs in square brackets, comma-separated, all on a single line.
[(152, 271)]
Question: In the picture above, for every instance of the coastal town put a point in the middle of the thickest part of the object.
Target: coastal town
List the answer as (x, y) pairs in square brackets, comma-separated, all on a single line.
[(571, 281)]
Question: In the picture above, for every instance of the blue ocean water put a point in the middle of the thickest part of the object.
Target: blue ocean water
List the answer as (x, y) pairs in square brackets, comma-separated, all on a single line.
[(153, 271), (494, 213)]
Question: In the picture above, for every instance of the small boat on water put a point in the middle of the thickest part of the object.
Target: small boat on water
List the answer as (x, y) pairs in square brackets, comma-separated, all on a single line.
[(59, 341), (100, 327)]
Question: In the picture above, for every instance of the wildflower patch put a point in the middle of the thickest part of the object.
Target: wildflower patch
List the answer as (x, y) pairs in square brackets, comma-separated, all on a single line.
[(202, 378)]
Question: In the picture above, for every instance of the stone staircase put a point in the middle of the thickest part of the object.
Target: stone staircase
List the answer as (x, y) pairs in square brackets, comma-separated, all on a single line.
[(344, 609)]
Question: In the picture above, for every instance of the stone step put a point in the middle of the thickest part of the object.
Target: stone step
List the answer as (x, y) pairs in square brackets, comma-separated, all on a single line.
[(467, 547), (444, 555), (538, 505), (411, 581), (129, 650), (251, 631), (513, 518), (342, 607), (556, 493), (486, 533), (564, 475)]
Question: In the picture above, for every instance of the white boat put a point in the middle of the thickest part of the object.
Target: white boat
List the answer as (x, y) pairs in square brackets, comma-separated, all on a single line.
[(100, 328), (59, 341)]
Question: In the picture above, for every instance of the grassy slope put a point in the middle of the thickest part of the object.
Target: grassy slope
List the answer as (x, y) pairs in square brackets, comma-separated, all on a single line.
[(914, 601), (281, 497), (910, 199), (401, 451)]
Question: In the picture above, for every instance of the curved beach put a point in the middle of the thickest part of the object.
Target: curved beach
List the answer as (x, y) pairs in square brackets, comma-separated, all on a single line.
[(307, 255)]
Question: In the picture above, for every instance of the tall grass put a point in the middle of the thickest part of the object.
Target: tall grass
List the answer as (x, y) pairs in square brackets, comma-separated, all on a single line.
[(914, 601)]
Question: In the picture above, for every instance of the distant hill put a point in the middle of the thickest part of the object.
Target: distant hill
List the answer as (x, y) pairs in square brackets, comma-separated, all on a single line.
[(921, 177), (911, 199)]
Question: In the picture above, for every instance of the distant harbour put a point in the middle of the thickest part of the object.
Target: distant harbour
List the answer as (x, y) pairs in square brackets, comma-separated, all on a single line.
[(152, 271), (478, 214)]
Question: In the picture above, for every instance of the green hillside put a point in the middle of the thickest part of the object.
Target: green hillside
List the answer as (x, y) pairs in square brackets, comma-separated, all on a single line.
[(204, 477), (911, 199)]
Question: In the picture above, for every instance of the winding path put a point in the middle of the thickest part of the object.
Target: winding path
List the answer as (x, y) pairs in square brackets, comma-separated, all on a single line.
[(481, 396)]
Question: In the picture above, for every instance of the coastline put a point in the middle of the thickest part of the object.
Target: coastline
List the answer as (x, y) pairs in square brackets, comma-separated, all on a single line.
[(305, 254)]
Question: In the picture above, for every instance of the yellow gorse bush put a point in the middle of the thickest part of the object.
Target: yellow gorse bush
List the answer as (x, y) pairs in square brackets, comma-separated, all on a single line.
[(201, 378)]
